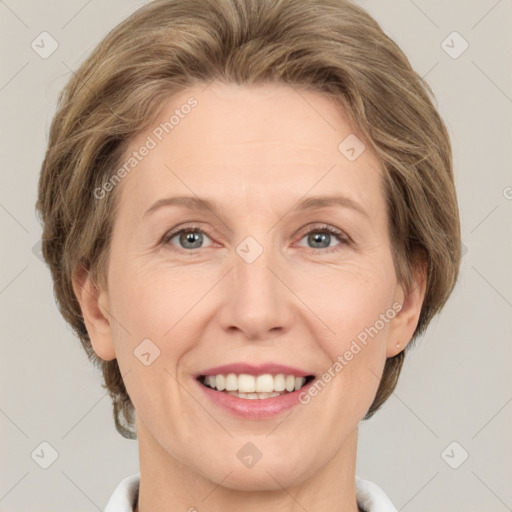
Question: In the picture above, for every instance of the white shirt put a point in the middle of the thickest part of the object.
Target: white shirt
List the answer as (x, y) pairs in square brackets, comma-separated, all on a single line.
[(370, 497)]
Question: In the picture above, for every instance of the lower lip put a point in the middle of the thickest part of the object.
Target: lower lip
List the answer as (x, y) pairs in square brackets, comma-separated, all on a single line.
[(259, 408)]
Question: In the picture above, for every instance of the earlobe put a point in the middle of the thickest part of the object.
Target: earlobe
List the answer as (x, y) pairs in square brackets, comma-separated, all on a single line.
[(405, 322), (94, 305)]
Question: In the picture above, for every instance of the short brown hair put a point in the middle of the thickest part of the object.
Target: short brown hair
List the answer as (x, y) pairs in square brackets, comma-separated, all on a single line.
[(330, 46)]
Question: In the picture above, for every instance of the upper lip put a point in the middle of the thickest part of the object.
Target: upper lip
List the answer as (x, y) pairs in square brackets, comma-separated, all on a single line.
[(255, 369)]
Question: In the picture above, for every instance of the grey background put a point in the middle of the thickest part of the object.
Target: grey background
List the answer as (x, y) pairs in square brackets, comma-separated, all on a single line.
[(455, 387)]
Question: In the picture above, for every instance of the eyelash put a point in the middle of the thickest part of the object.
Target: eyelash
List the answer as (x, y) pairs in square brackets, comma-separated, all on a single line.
[(339, 235)]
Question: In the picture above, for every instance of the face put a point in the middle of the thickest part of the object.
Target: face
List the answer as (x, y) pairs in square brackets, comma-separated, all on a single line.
[(264, 279)]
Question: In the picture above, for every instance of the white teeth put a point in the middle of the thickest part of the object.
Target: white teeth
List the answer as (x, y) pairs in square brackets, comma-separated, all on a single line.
[(231, 382), (265, 383), (253, 396), (247, 383), (220, 382), (251, 386), (279, 382)]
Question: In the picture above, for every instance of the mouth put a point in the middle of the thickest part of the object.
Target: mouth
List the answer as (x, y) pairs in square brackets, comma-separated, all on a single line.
[(255, 387)]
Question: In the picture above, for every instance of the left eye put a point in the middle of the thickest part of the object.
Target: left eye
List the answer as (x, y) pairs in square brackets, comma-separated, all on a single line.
[(321, 238)]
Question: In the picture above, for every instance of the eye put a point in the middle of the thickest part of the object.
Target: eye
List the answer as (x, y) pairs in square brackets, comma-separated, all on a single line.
[(187, 238), (319, 238), (323, 237)]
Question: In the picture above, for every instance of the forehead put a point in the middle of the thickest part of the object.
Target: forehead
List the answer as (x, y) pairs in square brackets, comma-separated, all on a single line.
[(260, 143)]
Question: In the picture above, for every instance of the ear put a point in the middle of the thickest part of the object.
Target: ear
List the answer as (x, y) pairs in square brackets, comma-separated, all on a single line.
[(94, 303), (404, 324)]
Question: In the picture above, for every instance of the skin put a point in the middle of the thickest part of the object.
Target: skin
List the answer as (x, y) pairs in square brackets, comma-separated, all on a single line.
[(256, 151)]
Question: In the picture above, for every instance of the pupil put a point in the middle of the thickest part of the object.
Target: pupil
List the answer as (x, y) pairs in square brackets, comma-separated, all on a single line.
[(319, 238), (191, 237)]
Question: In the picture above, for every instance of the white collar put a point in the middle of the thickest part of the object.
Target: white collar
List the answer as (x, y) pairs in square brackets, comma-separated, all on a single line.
[(370, 497)]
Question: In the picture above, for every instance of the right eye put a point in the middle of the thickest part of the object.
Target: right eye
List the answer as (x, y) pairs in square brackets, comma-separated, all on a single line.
[(188, 238)]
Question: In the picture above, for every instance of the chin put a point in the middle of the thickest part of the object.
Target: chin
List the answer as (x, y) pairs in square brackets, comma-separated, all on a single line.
[(267, 477), (269, 473)]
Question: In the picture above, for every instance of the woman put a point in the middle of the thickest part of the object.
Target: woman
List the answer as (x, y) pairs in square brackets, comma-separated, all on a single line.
[(249, 214)]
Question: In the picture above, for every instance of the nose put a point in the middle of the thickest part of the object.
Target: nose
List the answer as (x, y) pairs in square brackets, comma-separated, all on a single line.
[(258, 303)]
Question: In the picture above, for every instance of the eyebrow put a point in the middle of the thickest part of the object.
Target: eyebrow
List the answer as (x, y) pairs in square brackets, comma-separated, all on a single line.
[(310, 203)]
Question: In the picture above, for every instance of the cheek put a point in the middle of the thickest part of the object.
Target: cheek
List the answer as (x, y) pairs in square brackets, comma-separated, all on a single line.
[(154, 302), (358, 311), (355, 303), (349, 300), (162, 312)]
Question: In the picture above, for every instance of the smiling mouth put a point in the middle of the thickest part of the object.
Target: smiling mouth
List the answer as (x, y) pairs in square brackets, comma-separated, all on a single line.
[(253, 387)]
